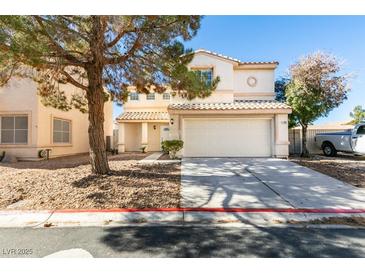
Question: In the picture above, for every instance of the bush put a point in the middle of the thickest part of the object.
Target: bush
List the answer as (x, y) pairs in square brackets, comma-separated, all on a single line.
[(172, 147)]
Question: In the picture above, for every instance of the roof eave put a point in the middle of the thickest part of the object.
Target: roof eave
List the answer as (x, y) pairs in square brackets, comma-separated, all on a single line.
[(272, 65), (230, 111)]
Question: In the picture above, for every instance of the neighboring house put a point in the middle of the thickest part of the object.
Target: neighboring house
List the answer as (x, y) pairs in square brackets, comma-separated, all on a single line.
[(240, 118), (27, 126)]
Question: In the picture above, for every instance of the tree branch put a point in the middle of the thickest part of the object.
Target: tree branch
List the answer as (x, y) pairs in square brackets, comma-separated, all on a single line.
[(136, 45), (55, 45), (120, 35), (125, 31), (72, 81)]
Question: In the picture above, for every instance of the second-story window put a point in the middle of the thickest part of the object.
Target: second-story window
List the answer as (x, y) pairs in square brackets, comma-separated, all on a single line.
[(166, 96), (150, 96), (133, 96), (205, 74)]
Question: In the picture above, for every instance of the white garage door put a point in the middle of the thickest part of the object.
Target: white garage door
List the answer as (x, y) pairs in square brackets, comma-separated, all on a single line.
[(227, 138)]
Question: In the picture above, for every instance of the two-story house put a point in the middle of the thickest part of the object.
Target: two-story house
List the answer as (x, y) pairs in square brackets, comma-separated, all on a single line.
[(240, 119), (28, 127)]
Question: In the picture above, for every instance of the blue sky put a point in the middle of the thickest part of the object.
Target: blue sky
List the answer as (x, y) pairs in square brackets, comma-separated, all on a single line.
[(285, 39)]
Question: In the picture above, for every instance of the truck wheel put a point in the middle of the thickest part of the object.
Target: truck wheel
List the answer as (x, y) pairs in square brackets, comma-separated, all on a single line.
[(329, 150)]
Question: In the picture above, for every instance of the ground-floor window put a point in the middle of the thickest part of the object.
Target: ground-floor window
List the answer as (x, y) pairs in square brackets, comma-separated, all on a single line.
[(61, 131), (14, 129)]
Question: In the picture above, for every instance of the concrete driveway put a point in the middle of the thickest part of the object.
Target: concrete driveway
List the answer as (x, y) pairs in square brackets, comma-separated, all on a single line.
[(262, 183)]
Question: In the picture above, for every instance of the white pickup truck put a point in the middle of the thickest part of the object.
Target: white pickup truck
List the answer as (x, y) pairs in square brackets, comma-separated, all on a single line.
[(352, 141)]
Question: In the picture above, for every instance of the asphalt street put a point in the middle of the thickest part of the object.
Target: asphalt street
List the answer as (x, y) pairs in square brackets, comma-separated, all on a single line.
[(182, 241)]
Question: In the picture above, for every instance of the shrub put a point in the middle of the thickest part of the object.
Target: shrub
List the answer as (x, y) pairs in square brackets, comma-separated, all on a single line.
[(172, 147)]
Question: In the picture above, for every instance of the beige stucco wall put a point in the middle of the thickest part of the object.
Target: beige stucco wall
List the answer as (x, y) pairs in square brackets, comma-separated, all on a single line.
[(130, 136), (265, 80), (20, 97), (233, 85), (281, 135), (133, 135), (159, 104)]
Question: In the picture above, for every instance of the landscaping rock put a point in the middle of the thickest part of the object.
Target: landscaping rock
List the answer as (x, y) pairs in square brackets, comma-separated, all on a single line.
[(67, 183)]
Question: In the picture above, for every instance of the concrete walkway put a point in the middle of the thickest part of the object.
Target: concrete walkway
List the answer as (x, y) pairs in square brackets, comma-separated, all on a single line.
[(262, 183), (151, 158)]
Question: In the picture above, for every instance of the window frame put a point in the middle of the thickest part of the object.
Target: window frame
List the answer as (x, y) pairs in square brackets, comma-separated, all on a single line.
[(164, 94), (202, 69), (358, 128), (134, 99), (27, 130), (151, 94), (62, 131)]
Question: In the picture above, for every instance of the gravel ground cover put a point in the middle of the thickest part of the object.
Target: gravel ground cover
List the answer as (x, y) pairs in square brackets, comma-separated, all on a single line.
[(67, 183), (347, 168)]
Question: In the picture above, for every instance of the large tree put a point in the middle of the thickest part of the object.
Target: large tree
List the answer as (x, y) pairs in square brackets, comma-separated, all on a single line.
[(357, 115), (280, 87), (316, 87), (102, 56)]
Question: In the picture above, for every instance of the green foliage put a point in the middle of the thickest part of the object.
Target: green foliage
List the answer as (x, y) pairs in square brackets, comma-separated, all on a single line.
[(358, 114), (141, 51), (315, 88), (280, 87), (172, 147)]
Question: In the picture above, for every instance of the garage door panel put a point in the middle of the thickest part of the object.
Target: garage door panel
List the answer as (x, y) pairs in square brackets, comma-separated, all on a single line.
[(227, 138)]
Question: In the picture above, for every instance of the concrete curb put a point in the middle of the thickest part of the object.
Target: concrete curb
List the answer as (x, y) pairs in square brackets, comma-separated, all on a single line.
[(114, 217)]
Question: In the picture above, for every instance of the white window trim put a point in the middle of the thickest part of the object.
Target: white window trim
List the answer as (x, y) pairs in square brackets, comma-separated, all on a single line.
[(134, 93), (28, 128), (70, 132), (205, 68), (151, 94), (168, 94)]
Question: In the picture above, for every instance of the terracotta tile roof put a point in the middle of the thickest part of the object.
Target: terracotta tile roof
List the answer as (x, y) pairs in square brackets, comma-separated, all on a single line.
[(234, 59), (148, 115), (236, 105)]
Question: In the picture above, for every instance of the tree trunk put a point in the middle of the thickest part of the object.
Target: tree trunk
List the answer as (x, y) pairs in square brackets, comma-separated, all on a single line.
[(305, 152), (95, 98)]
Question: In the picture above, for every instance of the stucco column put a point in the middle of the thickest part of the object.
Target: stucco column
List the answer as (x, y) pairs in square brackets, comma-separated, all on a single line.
[(144, 135), (174, 127), (281, 136), (121, 137)]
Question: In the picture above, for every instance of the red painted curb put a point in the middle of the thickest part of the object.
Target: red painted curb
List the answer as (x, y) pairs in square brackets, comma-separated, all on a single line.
[(228, 210)]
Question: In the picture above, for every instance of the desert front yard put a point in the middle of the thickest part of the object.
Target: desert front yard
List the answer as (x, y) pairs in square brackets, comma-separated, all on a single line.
[(67, 183), (345, 168)]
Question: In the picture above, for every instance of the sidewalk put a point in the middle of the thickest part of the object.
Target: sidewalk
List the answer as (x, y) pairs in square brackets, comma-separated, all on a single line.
[(153, 159), (115, 217)]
